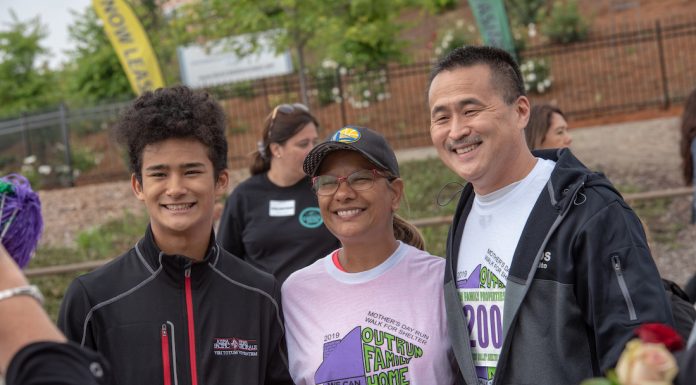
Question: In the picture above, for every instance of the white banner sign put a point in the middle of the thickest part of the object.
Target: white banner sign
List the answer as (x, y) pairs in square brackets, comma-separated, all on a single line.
[(220, 64)]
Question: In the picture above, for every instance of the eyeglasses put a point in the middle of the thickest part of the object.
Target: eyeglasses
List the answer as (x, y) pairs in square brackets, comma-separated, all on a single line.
[(286, 109), (360, 180)]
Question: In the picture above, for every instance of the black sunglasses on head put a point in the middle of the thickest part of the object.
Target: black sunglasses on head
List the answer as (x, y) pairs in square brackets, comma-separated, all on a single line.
[(286, 109)]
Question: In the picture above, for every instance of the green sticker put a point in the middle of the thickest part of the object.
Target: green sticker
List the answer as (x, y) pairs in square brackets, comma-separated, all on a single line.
[(311, 218)]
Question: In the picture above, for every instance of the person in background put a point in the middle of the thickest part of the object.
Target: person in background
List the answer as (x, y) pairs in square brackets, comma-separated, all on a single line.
[(547, 128), (688, 155), (177, 308), (548, 269), (688, 147), (271, 220), (372, 311), (32, 350)]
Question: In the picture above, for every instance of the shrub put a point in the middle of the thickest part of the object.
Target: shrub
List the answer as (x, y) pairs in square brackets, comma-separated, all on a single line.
[(361, 86), (565, 23), (368, 85), (244, 89), (440, 6), (452, 38), (326, 81), (537, 75), (525, 12)]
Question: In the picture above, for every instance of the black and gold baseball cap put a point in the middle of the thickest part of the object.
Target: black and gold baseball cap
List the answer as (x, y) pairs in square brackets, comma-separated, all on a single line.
[(371, 144)]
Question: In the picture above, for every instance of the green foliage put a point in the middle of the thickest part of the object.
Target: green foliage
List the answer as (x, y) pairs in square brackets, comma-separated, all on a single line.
[(83, 158), (366, 86), (25, 84), (451, 38), (360, 87), (431, 191), (423, 180), (537, 75), (441, 6), (525, 12), (162, 37), (565, 24), (6, 161), (366, 35), (50, 169), (244, 89), (106, 241), (357, 34), (326, 83), (94, 72)]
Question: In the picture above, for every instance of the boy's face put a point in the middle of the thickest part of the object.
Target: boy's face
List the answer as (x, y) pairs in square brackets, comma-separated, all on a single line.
[(178, 188)]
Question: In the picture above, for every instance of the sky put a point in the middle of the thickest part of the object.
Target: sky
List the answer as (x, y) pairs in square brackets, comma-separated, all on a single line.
[(55, 14)]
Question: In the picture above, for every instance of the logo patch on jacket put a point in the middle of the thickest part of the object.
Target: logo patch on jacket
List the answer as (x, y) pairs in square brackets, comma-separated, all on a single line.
[(235, 347), (545, 259)]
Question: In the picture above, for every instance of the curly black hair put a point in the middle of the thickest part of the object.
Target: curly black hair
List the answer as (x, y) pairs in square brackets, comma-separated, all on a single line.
[(173, 112)]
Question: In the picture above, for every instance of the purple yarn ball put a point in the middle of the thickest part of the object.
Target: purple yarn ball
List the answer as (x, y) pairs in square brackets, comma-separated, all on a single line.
[(21, 222)]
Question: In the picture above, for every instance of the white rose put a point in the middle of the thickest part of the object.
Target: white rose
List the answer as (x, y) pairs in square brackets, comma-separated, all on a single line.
[(646, 364)]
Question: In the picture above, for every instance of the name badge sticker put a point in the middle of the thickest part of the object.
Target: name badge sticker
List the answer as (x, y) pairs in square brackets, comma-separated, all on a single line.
[(281, 208)]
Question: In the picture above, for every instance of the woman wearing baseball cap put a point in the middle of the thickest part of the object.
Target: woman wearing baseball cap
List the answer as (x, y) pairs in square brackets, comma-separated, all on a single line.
[(372, 311), (271, 220)]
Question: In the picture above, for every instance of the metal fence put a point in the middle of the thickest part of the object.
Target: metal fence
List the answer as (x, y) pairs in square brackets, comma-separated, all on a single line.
[(632, 67)]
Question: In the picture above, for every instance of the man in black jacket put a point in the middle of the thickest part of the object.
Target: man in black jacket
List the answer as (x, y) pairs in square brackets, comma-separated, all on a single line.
[(177, 308), (548, 270)]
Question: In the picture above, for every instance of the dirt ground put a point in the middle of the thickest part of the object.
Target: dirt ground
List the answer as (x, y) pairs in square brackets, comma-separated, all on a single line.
[(644, 156), (639, 155)]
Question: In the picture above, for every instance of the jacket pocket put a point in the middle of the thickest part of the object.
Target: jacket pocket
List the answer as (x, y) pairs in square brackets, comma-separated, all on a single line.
[(618, 270)]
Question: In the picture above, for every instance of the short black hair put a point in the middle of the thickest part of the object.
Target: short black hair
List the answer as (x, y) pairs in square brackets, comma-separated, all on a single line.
[(505, 73), (173, 112)]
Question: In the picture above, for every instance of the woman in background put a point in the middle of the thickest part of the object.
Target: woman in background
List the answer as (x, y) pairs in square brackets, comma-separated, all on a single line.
[(271, 219), (547, 128)]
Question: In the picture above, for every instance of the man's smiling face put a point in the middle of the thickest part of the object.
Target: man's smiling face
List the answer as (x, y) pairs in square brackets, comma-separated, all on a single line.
[(475, 132)]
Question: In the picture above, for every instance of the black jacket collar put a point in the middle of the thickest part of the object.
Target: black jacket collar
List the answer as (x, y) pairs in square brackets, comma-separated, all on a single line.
[(153, 256)]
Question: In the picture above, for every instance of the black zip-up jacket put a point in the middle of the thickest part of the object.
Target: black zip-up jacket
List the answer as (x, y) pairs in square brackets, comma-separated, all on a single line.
[(582, 278), (162, 319)]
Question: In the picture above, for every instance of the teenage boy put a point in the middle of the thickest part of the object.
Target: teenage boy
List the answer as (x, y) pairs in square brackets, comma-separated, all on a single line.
[(177, 308)]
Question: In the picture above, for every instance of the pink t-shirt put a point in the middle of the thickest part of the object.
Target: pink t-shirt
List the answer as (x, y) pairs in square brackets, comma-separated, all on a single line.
[(382, 326)]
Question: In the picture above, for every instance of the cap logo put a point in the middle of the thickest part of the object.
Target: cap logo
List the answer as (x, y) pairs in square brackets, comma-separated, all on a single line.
[(346, 135)]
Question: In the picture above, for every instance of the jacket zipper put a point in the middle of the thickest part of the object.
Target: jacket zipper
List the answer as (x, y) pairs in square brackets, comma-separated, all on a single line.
[(191, 328), (616, 262), (166, 363)]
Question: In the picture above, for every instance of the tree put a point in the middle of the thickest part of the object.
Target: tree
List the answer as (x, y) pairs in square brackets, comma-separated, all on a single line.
[(353, 33), (94, 72), (24, 85)]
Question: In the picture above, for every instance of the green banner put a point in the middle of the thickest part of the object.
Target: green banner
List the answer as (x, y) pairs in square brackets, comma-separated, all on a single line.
[(493, 24)]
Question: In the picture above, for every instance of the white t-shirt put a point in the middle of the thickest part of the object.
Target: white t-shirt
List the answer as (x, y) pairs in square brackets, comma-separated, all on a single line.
[(489, 240), (382, 326)]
